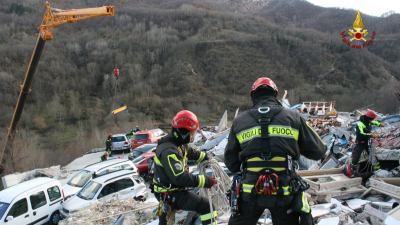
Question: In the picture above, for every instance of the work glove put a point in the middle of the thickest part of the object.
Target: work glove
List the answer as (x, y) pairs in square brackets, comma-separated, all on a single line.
[(375, 135), (382, 125), (210, 181)]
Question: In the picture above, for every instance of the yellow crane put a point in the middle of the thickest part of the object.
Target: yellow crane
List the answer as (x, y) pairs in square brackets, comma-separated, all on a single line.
[(52, 18)]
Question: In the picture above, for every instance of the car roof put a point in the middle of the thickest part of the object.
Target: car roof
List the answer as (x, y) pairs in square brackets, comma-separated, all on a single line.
[(8, 194), (101, 165), (112, 176), (143, 132), (146, 145), (148, 154), (117, 135)]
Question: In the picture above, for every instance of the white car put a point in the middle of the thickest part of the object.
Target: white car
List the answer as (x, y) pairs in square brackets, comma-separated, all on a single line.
[(119, 142), (36, 201), (79, 179), (118, 185)]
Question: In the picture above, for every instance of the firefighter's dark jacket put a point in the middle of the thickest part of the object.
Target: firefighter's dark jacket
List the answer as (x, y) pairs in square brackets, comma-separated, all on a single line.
[(108, 142), (363, 129), (288, 133), (171, 170)]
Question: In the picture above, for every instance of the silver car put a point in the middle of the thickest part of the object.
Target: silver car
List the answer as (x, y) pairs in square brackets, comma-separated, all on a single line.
[(122, 185), (119, 142)]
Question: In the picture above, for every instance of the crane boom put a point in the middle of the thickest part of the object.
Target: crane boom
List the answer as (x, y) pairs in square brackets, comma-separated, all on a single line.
[(55, 17), (51, 19)]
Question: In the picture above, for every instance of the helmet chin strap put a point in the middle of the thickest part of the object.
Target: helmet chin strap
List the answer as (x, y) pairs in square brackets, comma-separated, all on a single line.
[(182, 136)]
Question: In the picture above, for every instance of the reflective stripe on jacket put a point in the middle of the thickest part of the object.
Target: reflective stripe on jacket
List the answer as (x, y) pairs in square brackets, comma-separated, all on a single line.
[(171, 170), (288, 134)]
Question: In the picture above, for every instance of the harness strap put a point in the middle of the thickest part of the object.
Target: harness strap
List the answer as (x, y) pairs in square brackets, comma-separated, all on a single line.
[(267, 164)]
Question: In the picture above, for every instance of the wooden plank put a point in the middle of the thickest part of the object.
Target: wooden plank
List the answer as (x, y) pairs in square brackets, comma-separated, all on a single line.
[(333, 182), (383, 187), (366, 192), (341, 184), (352, 192), (393, 181), (387, 193), (304, 173)]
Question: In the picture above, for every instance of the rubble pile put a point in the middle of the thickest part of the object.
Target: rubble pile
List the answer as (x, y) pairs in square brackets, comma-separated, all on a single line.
[(322, 125), (391, 139), (123, 212), (340, 200), (335, 199)]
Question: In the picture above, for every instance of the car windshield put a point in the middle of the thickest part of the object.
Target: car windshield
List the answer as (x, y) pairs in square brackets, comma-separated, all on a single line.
[(144, 148), (80, 179), (118, 139), (140, 136), (89, 191), (138, 160), (3, 208)]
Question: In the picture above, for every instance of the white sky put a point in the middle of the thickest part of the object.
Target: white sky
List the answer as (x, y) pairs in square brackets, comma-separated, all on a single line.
[(371, 7)]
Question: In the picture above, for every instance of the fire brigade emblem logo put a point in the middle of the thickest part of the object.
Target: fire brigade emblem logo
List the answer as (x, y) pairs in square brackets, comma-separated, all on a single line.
[(357, 37), (178, 166)]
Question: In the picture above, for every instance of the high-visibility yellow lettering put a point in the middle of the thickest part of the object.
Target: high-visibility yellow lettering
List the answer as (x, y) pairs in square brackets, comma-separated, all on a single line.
[(273, 130)]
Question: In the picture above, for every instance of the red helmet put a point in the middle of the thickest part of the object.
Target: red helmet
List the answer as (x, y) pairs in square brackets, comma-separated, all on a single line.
[(185, 119), (264, 82), (371, 114)]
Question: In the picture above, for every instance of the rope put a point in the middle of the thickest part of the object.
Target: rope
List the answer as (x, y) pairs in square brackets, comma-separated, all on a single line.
[(217, 194), (211, 205)]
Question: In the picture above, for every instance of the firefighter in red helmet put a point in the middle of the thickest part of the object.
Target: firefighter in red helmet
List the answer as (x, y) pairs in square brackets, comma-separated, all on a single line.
[(171, 176), (263, 146), (363, 135)]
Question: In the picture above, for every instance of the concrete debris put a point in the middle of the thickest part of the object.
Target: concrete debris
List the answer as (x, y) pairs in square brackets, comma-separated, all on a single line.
[(214, 140), (223, 123), (125, 212), (387, 154), (356, 203), (393, 217), (383, 173), (321, 126), (329, 221), (307, 164)]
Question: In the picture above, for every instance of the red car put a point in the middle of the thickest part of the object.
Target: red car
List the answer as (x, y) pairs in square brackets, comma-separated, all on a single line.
[(142, 162), (146, 137)]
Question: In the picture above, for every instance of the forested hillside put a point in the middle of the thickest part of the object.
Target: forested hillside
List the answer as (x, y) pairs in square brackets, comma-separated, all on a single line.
[(174, 54)]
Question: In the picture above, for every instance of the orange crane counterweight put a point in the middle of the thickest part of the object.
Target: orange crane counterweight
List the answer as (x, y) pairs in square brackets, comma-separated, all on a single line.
[(51, 19)]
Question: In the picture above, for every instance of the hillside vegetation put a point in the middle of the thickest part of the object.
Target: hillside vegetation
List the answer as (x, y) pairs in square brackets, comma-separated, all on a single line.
[(174, 54)]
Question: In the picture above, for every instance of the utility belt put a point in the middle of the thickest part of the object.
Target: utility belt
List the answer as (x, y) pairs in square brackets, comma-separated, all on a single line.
[(271, 176), (161, 189), (157, 187)]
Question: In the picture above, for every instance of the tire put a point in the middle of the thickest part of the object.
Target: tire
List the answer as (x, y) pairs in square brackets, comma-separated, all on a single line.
[(145, 177), (140, 198), (55, 218)]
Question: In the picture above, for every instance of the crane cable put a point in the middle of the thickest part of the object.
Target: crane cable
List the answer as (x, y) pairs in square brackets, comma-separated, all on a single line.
[(117, 90)]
